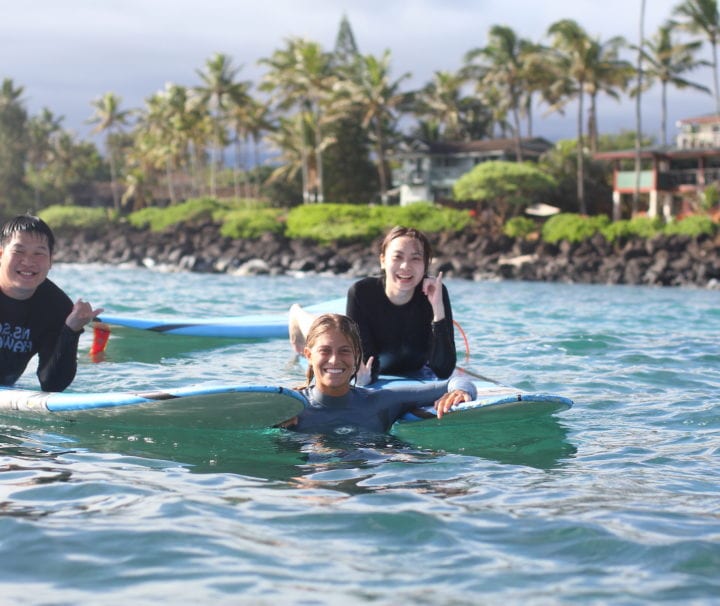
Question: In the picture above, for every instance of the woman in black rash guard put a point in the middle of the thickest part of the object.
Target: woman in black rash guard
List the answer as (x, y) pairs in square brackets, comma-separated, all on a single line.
[(335, 406), (404, 316)]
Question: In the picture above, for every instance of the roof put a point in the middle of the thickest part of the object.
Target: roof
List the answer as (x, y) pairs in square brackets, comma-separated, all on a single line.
[(535, 145), (659, 152), (706, 119)]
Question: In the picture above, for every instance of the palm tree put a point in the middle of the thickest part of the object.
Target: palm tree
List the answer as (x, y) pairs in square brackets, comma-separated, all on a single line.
[(218, 90), (668, 61), (108, 118), (583, 65), (378, 97), (163, 132), (501, 66), (701, 16), (638, 119), (42, 130), (442, 100), (248, 120), (606, 74), (258, 122), (300, 77), (290, 138)]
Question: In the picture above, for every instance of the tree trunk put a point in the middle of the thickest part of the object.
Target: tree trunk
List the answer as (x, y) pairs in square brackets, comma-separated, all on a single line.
[(580, 156)]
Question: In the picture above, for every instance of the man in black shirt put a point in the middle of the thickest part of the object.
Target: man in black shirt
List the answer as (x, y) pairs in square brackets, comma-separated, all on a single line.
[(36, 316)]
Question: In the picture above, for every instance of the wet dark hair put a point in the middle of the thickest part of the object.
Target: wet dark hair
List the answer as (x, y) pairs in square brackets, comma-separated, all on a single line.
[(26, 224), (343, 324), (408, 232)]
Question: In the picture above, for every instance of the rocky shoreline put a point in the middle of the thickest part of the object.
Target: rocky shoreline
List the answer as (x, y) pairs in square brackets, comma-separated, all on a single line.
[(470, 254)]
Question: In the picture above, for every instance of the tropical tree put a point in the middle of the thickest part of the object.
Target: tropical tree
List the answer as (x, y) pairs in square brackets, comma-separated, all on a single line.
[(442, 99), (507, 186), (300, 77), (607, 74), (71, 165), (41, 131), (13, 146), (583, 65), (501, 67), (638, 119), (289, 138), (109, 118), (667, 61), (349, 175), (218, 91), (162, 138), (379, 99), (701, 16), (249, 121)]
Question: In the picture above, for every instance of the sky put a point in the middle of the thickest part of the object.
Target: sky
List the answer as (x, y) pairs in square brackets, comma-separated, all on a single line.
[(65, 53)]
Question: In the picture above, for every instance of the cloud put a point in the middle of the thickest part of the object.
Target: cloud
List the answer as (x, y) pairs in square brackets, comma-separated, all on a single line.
[(67, 53)]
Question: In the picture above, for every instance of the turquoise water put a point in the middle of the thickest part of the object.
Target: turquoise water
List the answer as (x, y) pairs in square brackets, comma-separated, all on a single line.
[(616, 501)]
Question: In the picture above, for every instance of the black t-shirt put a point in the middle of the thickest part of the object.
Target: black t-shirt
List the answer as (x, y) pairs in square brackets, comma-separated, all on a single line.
[(37, 326), (402, 338)]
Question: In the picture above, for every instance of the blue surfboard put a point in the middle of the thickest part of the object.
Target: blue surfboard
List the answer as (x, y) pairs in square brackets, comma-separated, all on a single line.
[(272, 325), (233, 407), (198, 407), (494, 401)]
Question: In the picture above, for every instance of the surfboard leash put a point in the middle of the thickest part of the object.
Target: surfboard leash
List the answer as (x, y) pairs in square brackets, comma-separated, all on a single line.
[(465, 340)]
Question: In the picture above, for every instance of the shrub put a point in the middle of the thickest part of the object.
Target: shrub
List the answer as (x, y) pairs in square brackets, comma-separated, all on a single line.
[(250, 224), (505, 184), (327, 223), (694, 225), (572, 227), (641, 227), (77, 217), (519, 227), (157, 219)]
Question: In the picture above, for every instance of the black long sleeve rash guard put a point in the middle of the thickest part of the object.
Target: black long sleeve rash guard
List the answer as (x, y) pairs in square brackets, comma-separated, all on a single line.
[(402, 338), (37, 326)]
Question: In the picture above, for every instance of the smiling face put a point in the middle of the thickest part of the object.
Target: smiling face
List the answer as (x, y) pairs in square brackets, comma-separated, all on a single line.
[(25, 261), (333, 360), (403, 262)]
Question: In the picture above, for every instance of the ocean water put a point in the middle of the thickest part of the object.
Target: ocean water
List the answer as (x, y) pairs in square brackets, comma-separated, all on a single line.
[(616, 501)]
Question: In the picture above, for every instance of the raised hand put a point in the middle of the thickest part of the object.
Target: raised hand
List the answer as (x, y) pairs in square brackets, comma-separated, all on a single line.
[(432, 288), (364, 373), (82, 313)]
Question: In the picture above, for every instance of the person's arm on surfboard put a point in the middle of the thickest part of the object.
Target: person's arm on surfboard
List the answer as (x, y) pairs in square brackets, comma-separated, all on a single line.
[(443, 356)]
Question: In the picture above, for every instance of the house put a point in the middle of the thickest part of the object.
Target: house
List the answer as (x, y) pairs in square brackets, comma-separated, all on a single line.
[(669, 176), (428, 170)]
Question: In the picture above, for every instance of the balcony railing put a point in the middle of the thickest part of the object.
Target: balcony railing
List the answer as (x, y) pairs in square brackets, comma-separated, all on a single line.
[(698, 141), (669, 180)]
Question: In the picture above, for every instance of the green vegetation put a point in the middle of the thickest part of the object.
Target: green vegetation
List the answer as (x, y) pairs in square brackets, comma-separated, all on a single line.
[(572, 227), (76, 217), (694, 225), (509, 186), (249, 224), (576, 228), (326, 223), (641, 227), (519, 227), (196, 209), (332, 117)]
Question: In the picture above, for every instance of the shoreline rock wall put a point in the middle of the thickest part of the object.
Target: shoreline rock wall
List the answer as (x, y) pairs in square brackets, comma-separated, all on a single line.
[(660, 261)]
